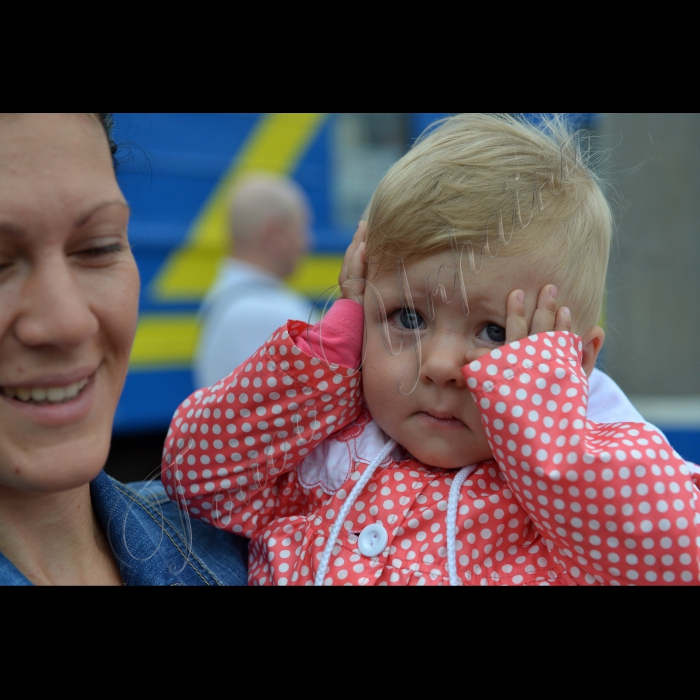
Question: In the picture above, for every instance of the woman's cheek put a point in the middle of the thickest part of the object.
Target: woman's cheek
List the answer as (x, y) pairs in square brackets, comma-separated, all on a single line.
[(119, 304)]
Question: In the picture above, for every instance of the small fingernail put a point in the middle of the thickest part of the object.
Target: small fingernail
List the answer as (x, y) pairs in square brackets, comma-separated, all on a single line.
[(553, 291), (521, 297), (565, 311)]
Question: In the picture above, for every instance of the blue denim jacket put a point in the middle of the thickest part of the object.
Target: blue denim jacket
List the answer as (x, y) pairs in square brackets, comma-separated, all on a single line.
[(150, 540)]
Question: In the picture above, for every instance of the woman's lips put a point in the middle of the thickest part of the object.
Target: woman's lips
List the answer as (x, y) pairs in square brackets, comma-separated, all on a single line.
[(41, 394), (444, 423), (69, 410)]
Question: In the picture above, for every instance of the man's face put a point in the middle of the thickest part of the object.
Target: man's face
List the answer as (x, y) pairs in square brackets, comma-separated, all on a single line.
[(438, 422)]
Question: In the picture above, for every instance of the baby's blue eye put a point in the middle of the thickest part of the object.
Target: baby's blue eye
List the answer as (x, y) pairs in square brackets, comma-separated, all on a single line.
[(495, 333), (410, 319)]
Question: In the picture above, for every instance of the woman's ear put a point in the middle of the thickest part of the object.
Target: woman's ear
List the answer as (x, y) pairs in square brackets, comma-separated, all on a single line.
[(592, 344)]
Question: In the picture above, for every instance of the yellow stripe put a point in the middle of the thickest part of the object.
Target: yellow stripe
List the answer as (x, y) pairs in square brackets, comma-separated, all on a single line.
[(316, 274), (276, 145), (168, 341), (165, 340)]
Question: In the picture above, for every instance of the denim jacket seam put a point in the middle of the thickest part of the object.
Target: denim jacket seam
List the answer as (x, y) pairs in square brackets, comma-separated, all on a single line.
[(149, 496), (153, 500), (147, 508)]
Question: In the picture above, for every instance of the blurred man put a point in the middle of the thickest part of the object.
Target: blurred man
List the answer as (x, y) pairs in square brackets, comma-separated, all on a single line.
[(269, 220)]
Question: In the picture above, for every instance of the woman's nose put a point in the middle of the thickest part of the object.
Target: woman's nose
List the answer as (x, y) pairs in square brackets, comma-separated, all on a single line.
[(442, 359), (54, 308)]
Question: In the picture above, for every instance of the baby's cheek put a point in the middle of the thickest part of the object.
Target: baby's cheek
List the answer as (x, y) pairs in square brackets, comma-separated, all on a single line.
[(379, 388), (375, 387), (480, 446)]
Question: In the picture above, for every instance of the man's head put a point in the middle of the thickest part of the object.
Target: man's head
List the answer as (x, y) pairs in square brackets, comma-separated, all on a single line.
[(269, 223), (479, 177)]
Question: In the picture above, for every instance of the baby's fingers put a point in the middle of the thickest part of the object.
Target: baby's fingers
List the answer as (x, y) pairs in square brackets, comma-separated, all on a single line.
[(516, 323), (546, 311), (354, 265), (351, 250), (563, 320)]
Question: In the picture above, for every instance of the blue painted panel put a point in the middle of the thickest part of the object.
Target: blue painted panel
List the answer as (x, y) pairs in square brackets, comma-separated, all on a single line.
[(150, 399), (419, 121), (579, 120), (685, 442), (314, 174)]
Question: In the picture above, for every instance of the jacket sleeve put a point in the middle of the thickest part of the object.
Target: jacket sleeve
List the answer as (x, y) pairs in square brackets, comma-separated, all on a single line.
[(613, 502), (231, 446)]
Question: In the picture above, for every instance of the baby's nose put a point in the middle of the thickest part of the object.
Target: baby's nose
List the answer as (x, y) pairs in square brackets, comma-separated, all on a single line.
[(443, 360)]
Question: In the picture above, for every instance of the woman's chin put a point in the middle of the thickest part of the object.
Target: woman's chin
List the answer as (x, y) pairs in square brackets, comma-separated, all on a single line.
[(57, 467)]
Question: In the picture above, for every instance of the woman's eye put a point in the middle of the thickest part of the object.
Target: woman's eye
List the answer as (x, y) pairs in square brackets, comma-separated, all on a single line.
[(101, 251), (410, 320), (493, 333)]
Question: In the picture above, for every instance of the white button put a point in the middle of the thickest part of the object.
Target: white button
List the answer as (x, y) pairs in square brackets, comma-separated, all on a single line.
[(372, 540)]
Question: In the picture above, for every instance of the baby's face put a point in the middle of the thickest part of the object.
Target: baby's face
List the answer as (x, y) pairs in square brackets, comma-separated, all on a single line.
[(438, 422)]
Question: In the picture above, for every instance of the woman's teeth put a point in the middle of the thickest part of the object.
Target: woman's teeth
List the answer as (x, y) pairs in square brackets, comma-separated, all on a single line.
[(54, 394)]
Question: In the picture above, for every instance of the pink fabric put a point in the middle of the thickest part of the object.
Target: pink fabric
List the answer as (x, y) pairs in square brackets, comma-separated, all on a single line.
[(341, 332)]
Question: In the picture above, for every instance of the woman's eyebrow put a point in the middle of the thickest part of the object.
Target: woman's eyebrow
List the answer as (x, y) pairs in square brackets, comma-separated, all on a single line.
[(85, 216)]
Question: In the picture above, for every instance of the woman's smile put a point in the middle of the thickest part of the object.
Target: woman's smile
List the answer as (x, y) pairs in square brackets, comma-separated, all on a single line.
[(52, 403), (46, 394)]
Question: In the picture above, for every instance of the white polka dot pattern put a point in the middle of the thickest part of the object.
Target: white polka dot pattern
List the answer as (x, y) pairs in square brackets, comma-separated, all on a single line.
[(611, 503), (567, 502)]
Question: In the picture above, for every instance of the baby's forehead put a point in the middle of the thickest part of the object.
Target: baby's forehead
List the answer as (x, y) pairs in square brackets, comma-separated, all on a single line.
[(477, 272)]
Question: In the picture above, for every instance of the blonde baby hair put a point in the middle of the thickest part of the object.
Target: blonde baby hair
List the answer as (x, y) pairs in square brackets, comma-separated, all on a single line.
[(497, 184)]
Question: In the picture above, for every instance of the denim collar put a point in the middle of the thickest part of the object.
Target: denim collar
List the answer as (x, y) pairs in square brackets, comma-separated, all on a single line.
[(152, 543)]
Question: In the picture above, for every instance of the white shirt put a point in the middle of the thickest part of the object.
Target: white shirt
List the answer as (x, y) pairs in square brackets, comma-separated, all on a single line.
[(245, 305), (607, 403)]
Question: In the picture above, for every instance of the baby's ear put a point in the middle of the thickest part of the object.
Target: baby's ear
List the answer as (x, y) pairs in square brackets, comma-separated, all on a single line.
[(592, 344)]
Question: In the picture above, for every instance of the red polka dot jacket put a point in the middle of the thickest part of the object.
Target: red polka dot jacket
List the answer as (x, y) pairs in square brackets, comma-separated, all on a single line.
[(283, 451)]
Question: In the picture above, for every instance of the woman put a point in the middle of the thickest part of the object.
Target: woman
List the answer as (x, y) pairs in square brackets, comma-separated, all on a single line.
[(69, 289)]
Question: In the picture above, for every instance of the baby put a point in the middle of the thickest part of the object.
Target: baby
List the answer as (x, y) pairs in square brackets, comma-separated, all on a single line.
[(463, 452)]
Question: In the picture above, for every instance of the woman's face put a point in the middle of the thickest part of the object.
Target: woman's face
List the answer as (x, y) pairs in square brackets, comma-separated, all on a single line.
[(69, 291)]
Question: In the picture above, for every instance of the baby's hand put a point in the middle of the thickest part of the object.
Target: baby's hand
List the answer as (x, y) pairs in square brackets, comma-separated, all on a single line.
[(546, 318), (353, 270)]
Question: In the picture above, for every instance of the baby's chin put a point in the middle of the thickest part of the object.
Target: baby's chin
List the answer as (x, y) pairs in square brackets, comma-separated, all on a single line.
[(440, 461), (441, 456), (434, 450)]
